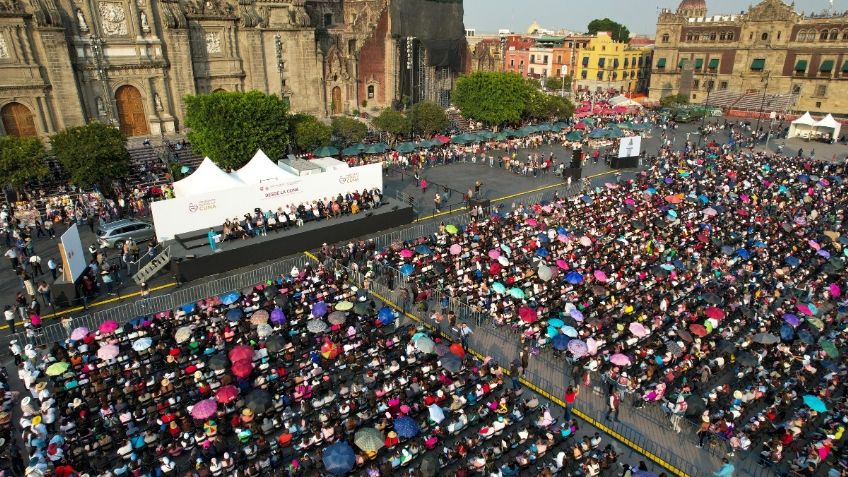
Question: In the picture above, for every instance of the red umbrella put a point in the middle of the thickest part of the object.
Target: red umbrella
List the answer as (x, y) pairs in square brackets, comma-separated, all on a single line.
[(527, 314), (329, 350), (456, 349), (698, 330), (674, 199), (242, 352), (242, 369), (227, 394), (204, 409), (715, 313), (495, 268)]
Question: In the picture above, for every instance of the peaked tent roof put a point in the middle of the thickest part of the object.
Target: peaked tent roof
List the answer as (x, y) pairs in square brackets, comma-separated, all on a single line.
[(805, 120), (828, 122), (208, 177), (260, 169)]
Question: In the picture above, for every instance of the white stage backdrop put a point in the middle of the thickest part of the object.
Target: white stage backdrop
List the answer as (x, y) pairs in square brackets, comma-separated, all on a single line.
[(73, 257), (630, 146), (180, 215)]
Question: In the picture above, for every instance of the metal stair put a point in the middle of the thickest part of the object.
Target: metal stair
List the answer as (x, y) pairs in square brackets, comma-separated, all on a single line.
[(152, 268)]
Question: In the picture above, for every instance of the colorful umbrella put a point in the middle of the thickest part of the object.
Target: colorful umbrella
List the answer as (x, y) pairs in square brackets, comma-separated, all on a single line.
[(791, 319), (369, 439), (339, 458), (569, 331), (527, 314), (277, 316), (713, 312), (319, 309), (451, 229), (574, 278), (316, 326), (183, 334), (455, 249), (229, 298), (698, 330), (142, 344), (815, 403), (57, 369), (600, 276), (457, 350), (560, 342), (619, 359), (406, 253), (330, 350), (499, 288), (259, 317), (79, 333), (406, 427), (242, 369), (638, 330), (108, 352), (343, 305), (578, 348), (517, 293), (264, 330), (235, 314), (108, 326), (241, 352), (425, 345), (226, 394), (436, 413), (336, 318)]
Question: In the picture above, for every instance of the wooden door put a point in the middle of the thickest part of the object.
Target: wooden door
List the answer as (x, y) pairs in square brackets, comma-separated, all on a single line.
[(17, 120), (337, 100), (131, 117)]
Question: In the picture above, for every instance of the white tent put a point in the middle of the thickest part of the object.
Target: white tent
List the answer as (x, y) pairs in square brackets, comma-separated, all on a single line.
[(329, 164), (828, 125), (802, 126), (260, 169), (208, 177), (622, 100)]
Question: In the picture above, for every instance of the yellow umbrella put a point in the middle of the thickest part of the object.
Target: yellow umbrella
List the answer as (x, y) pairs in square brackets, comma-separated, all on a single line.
[(57, 369)]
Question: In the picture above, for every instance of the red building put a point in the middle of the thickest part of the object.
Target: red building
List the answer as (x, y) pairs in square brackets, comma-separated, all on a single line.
[(517, 54)]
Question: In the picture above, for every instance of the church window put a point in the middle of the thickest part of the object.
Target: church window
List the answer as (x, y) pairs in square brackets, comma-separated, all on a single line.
[(845, 35), (834, 34), (370, 91), (328, 19), (823, 35), (764, 36), (665, 38), (730, 36), (722, 36), (712, 36)]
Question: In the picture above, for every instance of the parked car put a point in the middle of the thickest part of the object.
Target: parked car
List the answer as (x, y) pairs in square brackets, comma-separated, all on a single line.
[(114, 234)]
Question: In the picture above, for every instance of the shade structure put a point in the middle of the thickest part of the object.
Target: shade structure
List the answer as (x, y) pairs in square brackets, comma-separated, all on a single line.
[(208, 177), (325, 151), (339, 458), (354, 150), (406, 427), (376, 148), (261, 168), (406, 147), (803, 126), (258, 401), (204, 409), (368, 439)]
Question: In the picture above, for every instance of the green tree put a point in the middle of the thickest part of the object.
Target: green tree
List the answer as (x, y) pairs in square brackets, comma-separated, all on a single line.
[(618, 31), (429, 118), (547, 107), (21, 161), (230, 127), (392, 122), (673, 100), (94, 154), (494, 98), (348, 130), (556, 83), (309, 132)]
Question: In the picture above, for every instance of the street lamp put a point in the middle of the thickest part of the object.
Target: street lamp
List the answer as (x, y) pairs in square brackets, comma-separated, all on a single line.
[(409, 67), (762, 103)]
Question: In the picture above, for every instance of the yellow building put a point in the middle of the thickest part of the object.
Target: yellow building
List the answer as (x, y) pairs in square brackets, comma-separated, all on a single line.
[(607, 64)]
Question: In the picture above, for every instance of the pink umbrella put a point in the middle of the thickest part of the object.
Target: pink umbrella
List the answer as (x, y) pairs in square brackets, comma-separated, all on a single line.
[(562, 264), (805, 310), (242, 369), (600, 276), (591, 345), (638, 330), (204, 409), (619, 359), (629, 201), (79, 333), (226, 394), (562, 238), (108, 326), (585, 241), (406, 253), (532, 222), (494, 254), (527, 314), (835, 291), (715, 313), (108, 352), (240, 353), (710, 212), (814, 244), (455, 249)]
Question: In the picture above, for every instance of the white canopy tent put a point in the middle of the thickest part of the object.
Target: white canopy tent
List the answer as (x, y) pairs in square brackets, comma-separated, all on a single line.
[(622, 100), (329, 164), (828, 125), (802, 127), (261, 169), (207, 178)]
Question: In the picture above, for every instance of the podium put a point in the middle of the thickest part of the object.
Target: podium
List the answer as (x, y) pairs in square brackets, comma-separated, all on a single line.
[(624, 162)]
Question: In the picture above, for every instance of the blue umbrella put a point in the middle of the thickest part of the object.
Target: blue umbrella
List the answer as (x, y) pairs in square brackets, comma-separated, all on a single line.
[(407, 269), (436, 413), (552, 331), (499, 288), (815, 403), (189, 307), (556, 323), (542, 252), (586, 199), (230, 298), (506, 248), (560, 342), (744, 254), (517, 293), (704, 199), (569, 331), (319, 309), (339, 458), (672, 213), (574, 278), (787, 333), (386, 315), (235, 314), (406, 427), (423, 250), (792, 261), (667, 266), (576, 314)]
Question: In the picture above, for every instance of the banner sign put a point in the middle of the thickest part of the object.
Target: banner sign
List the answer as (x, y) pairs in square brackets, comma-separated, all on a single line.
[(630, 146)]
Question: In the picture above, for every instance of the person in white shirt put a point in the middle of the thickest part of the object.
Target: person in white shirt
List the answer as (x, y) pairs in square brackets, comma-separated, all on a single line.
[(9, 314)]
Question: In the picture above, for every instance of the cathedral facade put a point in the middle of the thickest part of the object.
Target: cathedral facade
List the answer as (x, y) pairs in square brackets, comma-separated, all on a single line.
[(130, 63)]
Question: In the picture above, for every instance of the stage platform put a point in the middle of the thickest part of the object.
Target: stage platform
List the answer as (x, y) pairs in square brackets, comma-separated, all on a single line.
[(192, 258)]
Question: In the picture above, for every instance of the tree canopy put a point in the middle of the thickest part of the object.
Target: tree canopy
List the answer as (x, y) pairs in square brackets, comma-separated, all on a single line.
[(674, 100), (492, 97), (230, 127), (348, 130), (545, 107), (94, 154), (309, 132), (21, 160), (618, 31), (392, 122), (428, 118), (556, 83)]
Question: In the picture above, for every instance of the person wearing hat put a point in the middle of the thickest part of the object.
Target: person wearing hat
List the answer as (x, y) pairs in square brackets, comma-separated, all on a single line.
[(246, 415), (391, 440)]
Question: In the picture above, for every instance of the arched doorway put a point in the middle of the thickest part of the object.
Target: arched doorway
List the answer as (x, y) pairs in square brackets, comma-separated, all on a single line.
[(131, 116), (17, 120), (337, 100)]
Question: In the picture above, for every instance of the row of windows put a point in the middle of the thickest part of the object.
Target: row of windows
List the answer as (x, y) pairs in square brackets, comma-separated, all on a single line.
[(699, 63), (824, 35), (708, 36), (611, 76), (628, 62)]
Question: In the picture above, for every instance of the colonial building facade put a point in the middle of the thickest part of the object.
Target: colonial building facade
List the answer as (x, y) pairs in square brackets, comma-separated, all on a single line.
[(799, 60), (131, 62)]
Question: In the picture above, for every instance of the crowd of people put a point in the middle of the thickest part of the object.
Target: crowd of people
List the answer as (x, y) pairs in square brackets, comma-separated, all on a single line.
[(302, 375), (712, 285)]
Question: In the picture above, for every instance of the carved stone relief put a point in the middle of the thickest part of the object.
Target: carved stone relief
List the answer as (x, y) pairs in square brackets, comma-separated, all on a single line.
[(213, 43), (4, 48), (113, 18)]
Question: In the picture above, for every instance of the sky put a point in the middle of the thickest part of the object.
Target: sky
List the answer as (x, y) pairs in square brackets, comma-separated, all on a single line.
[(488, 16)]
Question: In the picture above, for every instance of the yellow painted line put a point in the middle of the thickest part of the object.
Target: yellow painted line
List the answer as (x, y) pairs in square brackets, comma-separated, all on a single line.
[(517, 194), (636, 447), (95, 304)]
